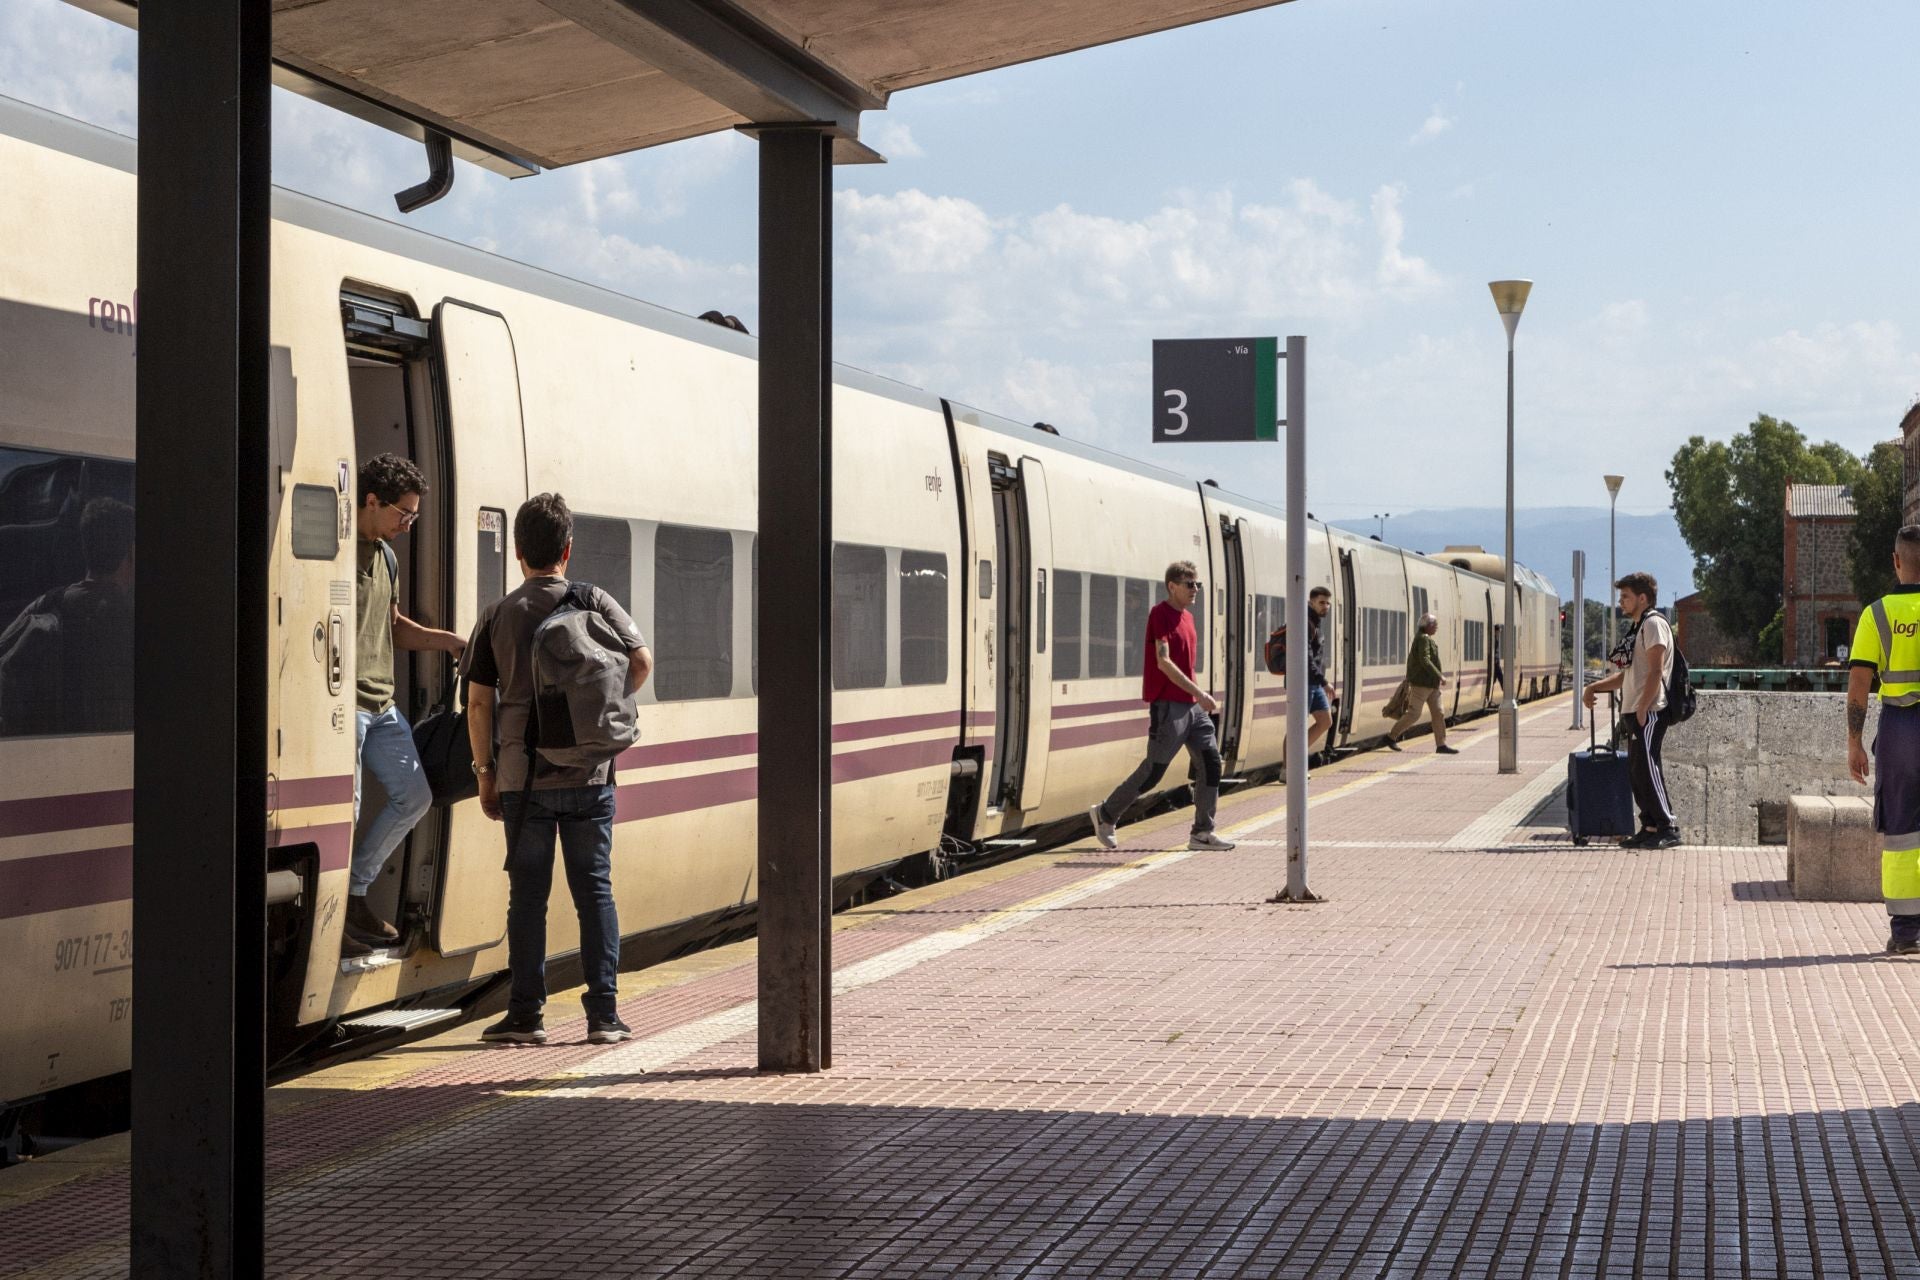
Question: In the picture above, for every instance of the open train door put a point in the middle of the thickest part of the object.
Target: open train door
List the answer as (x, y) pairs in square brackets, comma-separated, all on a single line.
[(1491, 657), (486, 448), (1239, 641), (1037, 515), (1348, 679)]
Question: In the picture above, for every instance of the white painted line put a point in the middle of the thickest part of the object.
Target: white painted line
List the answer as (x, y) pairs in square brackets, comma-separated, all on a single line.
[(1492, 827), (657, 1051)]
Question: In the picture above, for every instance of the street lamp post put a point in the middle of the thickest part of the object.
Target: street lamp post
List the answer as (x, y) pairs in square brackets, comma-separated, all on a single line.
[(1383, 518), (1613, 567), (1510, 297)]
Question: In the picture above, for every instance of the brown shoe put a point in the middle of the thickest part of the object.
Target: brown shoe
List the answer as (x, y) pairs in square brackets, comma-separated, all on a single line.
[(364, 923)]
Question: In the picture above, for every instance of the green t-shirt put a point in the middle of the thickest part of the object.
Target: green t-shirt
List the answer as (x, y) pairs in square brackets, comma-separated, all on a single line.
[(373, 629)]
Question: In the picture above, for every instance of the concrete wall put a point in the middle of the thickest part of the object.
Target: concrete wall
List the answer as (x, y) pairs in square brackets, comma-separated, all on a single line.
[(1745, 753)]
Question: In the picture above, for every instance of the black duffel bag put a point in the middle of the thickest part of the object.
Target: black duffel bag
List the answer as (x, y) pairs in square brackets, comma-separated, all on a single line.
[(446, 753)]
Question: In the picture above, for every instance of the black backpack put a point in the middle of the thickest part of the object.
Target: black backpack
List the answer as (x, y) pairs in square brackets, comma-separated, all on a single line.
[(1681, 700)]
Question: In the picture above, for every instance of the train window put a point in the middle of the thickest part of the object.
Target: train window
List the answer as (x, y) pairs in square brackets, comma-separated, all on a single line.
[(1133, 625), (316, 522), (859, 616), (923, 617), (1420, 609), (692, 613), (490, 562), (1068, 587), (1103, 625), (1040, 614), (1199, 612), (66, 594), (603, 556)]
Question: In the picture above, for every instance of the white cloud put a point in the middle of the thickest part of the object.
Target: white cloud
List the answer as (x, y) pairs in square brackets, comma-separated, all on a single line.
[(1436, 123), (1397, 268), (892, 138)]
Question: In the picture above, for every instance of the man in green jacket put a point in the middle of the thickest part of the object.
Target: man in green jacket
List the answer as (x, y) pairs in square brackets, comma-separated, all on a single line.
[(1424, 682)]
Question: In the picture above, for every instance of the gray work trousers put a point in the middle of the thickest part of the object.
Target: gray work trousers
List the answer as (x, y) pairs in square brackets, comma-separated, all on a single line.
[(1171, 726)]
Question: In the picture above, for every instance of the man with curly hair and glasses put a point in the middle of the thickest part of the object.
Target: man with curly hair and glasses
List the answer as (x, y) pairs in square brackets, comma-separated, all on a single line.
[(391, 489)]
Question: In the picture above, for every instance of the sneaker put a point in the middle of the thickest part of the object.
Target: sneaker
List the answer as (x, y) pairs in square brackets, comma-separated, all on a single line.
[(351, 948), (366, 923), (1444, 750), (1639, 840), (1664, 840), (517, 1028), (1102, 829), (607, 1030), (1208, 840), (1392, 745), (1895, 947)]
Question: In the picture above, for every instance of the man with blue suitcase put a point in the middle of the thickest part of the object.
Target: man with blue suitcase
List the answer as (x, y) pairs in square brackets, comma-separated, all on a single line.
[(1887, 644), (1643, 697)]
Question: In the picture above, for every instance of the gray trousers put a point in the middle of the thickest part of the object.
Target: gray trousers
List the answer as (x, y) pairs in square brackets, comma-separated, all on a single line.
[(1171, 726)]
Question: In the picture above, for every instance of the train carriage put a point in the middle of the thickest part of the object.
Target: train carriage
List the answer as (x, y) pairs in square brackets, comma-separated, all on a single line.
[(990, 587)]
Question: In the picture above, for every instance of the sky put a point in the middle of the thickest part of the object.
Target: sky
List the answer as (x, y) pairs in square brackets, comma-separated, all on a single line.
[(1712, 197)]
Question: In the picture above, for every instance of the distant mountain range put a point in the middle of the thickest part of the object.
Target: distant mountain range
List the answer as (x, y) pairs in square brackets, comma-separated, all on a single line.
[(1544, 540)]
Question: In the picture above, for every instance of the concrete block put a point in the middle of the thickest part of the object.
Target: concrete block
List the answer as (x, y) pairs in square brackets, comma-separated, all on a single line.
[(1809, 845), (1687, 792), (1732, 796), (1723, 727), (1855, 873)]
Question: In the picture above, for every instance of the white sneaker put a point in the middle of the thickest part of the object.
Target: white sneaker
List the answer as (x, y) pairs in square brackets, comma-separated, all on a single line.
[(1209, 841), (1102, 829)]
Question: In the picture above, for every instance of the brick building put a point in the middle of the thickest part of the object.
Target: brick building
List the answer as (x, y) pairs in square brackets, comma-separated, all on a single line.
[(1910, 455), (1702, 640), (1818, 587)]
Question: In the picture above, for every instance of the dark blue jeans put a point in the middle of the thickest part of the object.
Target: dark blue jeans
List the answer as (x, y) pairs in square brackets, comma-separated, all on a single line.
[(583, 819)]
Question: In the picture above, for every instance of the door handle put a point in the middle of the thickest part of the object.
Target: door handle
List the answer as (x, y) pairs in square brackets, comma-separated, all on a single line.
[(336, 652)]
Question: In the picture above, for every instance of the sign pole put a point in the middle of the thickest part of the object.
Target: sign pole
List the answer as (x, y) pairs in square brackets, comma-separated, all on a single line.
[(1297, 587), (1579, 639)]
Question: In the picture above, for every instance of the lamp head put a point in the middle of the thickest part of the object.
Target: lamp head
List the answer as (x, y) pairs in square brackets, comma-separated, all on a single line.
[(1613, 485), (1510, 297)]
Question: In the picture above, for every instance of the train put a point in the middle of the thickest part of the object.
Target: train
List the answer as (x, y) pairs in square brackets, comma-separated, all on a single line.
[(991, 579)]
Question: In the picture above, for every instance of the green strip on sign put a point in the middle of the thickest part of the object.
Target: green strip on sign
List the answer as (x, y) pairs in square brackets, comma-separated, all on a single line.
[(1266, 388)]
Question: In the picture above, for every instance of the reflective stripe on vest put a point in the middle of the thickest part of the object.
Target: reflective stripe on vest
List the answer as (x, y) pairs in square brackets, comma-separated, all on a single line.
[(1900, 868), (1899, 673)]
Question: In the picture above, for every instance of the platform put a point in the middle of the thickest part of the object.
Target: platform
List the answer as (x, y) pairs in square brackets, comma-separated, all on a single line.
[(1489, 1054)]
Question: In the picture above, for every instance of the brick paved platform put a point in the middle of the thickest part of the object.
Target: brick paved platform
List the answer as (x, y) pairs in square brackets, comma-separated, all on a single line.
[(1490, 1054)]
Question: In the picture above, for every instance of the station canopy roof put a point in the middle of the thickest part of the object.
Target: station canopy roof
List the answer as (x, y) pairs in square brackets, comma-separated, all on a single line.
[(527, 84)]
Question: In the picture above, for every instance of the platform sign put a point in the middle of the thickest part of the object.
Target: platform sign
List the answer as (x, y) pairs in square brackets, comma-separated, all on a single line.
[(1213, 390)]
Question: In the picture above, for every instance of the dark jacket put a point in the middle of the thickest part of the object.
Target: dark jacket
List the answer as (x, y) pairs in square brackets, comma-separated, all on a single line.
[(1316, 652), (1423, 663)]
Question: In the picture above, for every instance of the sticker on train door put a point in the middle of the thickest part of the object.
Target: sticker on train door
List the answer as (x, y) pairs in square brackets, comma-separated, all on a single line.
[(493, 522)]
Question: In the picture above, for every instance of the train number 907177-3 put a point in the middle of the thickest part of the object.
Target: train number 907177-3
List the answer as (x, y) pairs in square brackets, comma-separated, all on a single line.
[(91, 951)]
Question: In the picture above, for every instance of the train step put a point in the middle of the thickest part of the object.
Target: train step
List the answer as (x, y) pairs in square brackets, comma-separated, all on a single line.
[(398, 1020)]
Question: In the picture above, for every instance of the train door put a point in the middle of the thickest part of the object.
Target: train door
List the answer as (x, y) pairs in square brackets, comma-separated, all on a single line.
[(1011, 643), (480, 389), (1492, 655), (1237, 638), (1036, 515), (1348, 680)]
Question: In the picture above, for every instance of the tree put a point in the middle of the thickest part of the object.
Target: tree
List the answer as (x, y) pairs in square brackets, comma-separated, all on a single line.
[(1729, 500), (1878, 498), (1596, 631)]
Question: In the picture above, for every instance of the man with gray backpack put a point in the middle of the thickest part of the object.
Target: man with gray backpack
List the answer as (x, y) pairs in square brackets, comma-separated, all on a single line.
[(553, 669)]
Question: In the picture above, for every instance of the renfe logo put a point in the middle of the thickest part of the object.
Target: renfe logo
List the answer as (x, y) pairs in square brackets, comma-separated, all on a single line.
[(115, 318)]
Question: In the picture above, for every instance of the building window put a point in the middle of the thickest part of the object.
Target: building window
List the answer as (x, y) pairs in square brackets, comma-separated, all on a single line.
[(692, 613), (859, 616)]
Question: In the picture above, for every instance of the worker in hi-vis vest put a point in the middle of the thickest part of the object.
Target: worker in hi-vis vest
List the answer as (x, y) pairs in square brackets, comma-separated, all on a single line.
[(1887, 644)]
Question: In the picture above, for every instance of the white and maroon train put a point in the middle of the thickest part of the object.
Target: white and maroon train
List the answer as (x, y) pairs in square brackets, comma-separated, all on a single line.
[(990, 585)]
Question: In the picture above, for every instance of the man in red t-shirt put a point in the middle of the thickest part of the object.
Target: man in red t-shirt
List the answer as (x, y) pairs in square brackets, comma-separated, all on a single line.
[(1179, 715)]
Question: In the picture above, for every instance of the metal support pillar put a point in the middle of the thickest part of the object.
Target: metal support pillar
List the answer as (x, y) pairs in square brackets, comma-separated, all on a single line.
[(796, 567), (200, 653), (1579, 639), (1297, 589)]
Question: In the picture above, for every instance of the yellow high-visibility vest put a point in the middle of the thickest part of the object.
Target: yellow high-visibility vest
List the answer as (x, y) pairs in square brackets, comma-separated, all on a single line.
[(1888, 640)]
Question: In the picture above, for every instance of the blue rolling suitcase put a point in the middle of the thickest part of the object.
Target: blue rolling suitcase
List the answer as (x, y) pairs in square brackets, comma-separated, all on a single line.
[(1599, 790)]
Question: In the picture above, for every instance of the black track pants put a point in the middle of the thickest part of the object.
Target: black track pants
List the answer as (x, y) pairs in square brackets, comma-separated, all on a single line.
[(1643, 766)]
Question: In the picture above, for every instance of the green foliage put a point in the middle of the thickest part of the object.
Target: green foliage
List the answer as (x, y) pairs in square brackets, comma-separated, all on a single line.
[(1596, 632), (1768, 648), (1877, 500), (1729, 500)]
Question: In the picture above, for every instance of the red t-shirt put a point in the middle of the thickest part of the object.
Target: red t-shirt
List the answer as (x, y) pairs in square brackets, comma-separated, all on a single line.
[(1175, 626)]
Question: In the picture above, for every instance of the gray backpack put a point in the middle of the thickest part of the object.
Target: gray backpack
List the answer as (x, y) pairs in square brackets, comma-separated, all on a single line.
[(582, 713)]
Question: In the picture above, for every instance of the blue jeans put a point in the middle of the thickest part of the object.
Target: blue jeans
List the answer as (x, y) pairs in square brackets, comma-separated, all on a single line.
[(383, 742), (583, 819)]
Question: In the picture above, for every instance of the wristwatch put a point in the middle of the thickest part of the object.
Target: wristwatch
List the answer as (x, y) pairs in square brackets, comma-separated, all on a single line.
[(482, 770)]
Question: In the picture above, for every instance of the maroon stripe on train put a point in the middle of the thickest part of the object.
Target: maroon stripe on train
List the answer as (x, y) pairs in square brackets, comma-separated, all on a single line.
[(1087, 735), (688, 750), (37, 815), (859, 729), (1081, 710), (335, 840), (303, 793), (636, 800), (1269, 711), (62, 881), (853, 766)]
